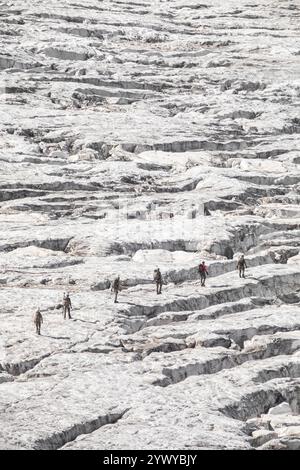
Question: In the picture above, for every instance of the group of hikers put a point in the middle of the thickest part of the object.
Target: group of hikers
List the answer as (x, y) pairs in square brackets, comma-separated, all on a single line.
[(66, 305), (116, 284), (116, 287), (202, 270)]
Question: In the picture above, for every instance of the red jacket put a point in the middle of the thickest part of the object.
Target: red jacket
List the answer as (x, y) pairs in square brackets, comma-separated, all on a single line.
[(203, 268)]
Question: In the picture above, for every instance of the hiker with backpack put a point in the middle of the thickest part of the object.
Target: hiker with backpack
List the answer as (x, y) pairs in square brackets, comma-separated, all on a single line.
[(241, 266), (203, 271)]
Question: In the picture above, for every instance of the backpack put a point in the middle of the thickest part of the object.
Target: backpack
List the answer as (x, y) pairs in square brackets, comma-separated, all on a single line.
[(202, 268)]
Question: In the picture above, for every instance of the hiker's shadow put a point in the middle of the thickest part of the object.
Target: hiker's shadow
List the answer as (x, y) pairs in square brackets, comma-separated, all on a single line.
[(250, 277), (86, 321), (131, 303), (56, 337)]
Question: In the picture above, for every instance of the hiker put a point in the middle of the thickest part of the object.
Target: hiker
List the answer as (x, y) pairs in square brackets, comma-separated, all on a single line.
[(38, 320), (203, 271), (67, 305), (241, 265), (116, 287), (158, 280)]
